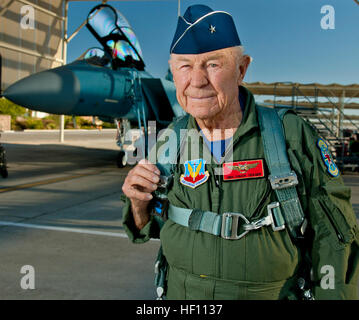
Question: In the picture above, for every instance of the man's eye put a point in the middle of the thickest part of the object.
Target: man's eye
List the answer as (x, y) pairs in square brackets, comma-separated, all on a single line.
[(213, 65)]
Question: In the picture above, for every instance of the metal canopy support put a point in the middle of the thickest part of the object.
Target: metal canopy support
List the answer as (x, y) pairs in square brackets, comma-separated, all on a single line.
[(64, 56), (74, 34)]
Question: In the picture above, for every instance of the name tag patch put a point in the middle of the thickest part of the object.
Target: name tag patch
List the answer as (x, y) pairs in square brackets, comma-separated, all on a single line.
[(247, 169)]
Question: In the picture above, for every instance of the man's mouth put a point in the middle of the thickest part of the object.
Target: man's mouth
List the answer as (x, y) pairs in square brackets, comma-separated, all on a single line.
[(201, 98)]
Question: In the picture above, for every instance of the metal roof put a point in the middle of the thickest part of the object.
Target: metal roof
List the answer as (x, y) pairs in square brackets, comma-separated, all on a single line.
[(285, 89)]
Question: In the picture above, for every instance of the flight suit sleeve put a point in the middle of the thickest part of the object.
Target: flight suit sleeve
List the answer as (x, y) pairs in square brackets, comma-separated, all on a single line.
[(153, 227), (326, 202), (150, 230)]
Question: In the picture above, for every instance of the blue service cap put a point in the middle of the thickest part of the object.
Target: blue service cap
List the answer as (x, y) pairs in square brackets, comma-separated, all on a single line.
[(202, 29)]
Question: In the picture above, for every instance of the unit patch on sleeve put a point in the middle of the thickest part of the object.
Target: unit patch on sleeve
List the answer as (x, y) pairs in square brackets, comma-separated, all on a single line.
[(247, 169), (195, 173), (327, 158)]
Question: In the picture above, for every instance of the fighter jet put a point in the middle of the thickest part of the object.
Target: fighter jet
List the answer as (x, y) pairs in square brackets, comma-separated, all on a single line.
[(109, 82)]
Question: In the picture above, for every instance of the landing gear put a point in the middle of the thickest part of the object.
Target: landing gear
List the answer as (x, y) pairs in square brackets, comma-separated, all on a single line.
[(123, 126), (130, 142), (3, 168), (121, 159)]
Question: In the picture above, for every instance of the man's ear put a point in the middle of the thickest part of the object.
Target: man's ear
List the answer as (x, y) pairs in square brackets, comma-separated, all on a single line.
[(245, 61)]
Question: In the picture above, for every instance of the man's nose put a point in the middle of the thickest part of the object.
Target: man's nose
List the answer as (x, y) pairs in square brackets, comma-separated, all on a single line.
[(199, 77)]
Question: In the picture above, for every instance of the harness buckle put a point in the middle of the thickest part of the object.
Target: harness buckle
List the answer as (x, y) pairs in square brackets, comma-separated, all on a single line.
[(163, 186), (274, 219), (230, 223), (278, 222), (283, 181)]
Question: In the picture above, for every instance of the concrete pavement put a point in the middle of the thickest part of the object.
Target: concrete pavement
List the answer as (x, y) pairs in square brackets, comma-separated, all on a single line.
[(73, 188)]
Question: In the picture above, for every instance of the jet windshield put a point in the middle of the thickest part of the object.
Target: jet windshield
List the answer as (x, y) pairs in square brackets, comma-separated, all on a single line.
[(109, 24), (97, 57)]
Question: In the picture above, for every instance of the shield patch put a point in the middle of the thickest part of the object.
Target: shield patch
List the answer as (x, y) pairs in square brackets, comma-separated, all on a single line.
[(195, 173)]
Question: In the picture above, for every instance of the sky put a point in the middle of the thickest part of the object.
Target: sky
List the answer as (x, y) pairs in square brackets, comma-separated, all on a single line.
[(285, 38)]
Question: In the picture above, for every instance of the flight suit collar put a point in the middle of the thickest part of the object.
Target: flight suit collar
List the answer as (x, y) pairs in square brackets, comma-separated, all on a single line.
[(249, 120)]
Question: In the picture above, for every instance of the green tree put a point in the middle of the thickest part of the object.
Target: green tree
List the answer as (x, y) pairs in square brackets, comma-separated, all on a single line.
[(8, 107)]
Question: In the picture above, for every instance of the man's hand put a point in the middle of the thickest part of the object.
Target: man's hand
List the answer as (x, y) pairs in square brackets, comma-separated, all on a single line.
[(140, 182)]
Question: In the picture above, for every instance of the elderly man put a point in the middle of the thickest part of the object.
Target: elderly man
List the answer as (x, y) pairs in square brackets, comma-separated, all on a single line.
[(260, 262)]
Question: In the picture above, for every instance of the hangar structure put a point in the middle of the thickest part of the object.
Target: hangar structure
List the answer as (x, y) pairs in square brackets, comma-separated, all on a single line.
[(33, 37)]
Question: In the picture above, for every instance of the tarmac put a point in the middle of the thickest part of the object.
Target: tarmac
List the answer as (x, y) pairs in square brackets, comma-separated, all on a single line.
[(60, 213)]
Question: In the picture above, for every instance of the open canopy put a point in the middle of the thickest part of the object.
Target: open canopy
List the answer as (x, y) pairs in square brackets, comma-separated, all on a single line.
[(114, 32), (96, 56)]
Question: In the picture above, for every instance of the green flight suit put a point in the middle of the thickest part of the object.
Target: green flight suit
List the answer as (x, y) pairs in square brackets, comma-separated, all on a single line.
[(263, 264)]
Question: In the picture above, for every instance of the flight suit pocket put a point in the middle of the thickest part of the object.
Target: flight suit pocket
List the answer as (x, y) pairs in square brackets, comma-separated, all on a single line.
[(341, 226)]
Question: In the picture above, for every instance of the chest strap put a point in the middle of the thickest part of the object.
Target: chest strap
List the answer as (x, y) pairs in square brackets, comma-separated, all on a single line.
[(229, 225)]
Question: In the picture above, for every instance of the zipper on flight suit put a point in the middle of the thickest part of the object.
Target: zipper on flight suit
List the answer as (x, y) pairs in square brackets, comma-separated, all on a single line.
[(219, 247), (217, 182), (335, 226), (217, 179)]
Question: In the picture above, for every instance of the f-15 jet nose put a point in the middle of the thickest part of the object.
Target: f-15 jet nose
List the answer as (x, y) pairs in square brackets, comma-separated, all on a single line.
[(54, 91)]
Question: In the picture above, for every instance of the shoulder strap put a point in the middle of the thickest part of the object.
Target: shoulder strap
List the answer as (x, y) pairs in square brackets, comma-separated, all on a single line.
[(283, 180), (282, 112)]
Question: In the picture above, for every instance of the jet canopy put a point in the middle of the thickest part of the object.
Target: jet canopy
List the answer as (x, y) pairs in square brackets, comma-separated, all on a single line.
[(96, 56), (114, 32)]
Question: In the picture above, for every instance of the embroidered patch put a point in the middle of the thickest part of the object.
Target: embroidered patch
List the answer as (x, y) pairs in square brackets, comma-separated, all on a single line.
[(327, 158), (195, 173), (247, 169)]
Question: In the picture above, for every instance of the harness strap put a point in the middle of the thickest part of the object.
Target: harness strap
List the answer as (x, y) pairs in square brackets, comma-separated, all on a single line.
[(282, 178), (229, 225), (196, 219)]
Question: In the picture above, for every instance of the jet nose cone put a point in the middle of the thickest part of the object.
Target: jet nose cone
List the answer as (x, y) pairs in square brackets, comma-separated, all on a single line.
[(54, 91)]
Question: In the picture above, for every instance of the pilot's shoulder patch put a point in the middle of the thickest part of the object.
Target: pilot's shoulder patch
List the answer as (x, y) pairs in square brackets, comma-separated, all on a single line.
[(327, 158)]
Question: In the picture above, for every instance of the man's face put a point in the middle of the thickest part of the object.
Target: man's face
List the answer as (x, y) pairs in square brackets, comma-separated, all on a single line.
[(207, 83)]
